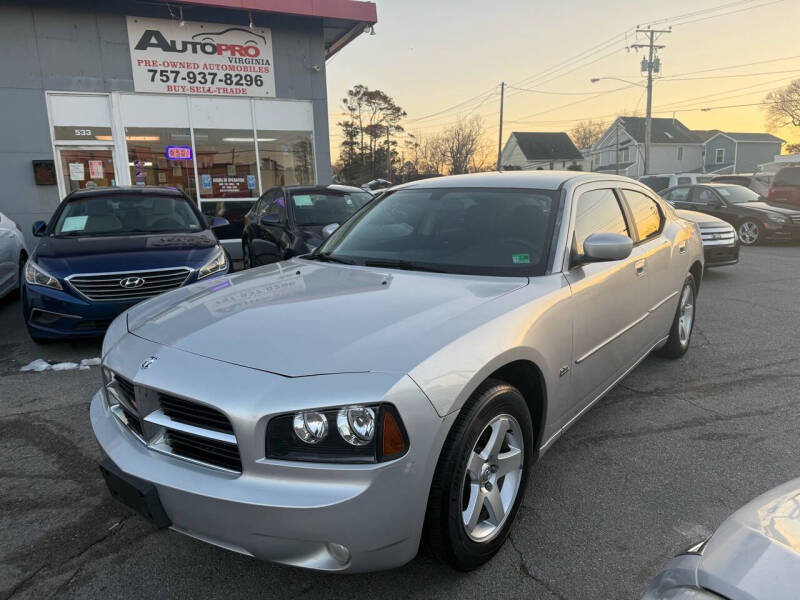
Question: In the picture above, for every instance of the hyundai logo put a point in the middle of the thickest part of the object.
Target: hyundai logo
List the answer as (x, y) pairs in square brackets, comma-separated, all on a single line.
[(147, 363), (132, 282)]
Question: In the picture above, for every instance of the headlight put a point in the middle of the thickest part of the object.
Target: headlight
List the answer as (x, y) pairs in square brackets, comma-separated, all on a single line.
[(217, 263), (36, 275), (348, 434), (776, 218)]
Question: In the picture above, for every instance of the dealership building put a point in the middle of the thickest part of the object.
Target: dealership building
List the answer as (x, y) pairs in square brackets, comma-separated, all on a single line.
[(221, 98)]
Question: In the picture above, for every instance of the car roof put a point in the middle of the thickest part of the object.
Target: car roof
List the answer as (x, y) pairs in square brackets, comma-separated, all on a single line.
[(149, 190), (322, 188), (546, 180)]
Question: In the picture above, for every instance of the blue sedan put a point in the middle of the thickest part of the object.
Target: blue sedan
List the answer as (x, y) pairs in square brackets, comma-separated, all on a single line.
[(104, 250)]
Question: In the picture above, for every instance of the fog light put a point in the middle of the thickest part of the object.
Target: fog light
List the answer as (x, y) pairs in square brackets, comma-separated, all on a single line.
[(311, 427), (356, 425), (340, 553)]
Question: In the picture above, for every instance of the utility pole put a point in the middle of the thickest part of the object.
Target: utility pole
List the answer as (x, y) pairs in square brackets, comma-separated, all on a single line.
[(651, 66), (500, 137), (388, 156), (616, 156)]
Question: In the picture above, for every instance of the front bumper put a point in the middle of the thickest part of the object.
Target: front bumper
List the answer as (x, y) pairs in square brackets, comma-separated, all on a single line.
[(282, 511), (778, 231), (719, 256), (56, 314)]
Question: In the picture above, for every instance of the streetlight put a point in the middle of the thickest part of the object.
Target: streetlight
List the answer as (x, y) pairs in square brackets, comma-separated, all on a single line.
[(596, 79)]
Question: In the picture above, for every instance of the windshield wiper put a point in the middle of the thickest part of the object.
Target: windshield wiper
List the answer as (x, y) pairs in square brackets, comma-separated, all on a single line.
[(325, 257), (403, 264)]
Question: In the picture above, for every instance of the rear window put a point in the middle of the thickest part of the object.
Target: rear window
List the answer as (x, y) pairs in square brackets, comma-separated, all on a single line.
[(324, 208), (788, 176)]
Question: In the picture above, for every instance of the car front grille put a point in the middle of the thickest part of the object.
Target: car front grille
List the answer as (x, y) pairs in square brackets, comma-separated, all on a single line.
[(795, 218), (130, 285), (190, 413), (175, 426), (717, 235), (213, 452)]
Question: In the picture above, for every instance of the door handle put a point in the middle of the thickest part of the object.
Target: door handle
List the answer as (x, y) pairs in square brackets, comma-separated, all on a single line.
[(640, 267), (682, 247)]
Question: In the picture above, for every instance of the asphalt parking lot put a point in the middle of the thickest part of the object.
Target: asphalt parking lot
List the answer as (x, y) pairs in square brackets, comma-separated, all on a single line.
[(656, 465)]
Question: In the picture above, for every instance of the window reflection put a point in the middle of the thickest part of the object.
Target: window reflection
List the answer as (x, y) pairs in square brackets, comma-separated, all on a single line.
[(151, 163), (226, 163), (286, 158)]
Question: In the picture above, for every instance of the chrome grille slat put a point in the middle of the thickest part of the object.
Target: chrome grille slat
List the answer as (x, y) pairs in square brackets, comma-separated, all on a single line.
[(107, 286)]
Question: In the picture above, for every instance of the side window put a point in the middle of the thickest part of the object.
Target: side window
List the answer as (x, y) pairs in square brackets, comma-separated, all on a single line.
[(277, 205), (678, 195), (598, 211), (646, 214), (683, 180), (262, 204), (703, 195)]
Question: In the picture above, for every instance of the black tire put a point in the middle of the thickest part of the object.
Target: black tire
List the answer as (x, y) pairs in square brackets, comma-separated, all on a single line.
[(746, 226), (444, 528), (23, 259), (675, 346)]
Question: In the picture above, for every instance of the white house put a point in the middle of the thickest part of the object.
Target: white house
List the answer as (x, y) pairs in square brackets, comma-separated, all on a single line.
[(673, 148), (546, 150)]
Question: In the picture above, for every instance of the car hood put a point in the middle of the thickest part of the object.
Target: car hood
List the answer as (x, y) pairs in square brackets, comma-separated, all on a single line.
[(700, 218), (756, 552), (301, 317), (763, 207), (66, 256)]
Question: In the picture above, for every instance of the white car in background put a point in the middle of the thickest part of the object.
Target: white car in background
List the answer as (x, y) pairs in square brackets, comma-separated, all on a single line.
[(12, 255)]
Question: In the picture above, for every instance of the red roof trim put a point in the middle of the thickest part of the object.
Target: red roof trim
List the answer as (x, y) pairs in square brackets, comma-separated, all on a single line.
[(349, 10)]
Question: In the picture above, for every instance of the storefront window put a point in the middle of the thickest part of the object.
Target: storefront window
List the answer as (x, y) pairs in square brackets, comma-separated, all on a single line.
[(226, 166), (161, 156), (286, 157)]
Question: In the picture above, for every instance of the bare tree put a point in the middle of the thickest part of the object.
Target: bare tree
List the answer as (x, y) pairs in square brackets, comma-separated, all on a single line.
[(783, 106), (461, 142), (586, 133)]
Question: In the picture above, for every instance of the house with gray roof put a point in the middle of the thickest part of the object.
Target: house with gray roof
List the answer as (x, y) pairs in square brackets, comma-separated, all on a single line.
[(546, 150), (673, 149), (729, 152)]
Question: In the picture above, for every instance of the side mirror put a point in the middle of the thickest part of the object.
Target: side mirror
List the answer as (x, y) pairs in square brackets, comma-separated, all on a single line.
[(219, 222), (328, 230), (271, 219), (38, 228), (600, 247)]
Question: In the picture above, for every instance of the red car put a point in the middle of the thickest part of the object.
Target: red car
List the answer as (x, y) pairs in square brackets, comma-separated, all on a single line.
[(785, 188)]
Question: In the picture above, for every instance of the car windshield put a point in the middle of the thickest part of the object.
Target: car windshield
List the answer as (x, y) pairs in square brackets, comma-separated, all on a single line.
[(119, 214), (736, 194), (469, 231), (324, 208)]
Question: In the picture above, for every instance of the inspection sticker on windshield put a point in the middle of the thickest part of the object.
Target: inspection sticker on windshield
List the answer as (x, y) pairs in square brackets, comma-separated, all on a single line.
[(521, 259), (74, 223)]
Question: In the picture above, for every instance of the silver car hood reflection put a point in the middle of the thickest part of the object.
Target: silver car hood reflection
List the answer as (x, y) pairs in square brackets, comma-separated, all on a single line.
[(300, 317), (756, 552)]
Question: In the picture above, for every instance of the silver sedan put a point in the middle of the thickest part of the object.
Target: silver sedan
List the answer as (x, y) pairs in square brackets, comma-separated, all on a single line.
[(321, 411)]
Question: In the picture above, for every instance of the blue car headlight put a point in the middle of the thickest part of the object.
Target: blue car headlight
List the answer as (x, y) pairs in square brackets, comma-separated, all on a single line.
[(218, 263), (36, 275)]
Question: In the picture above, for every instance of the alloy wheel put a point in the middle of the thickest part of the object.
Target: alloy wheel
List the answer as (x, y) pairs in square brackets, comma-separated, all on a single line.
[(686, 314), (748, 232), (492, 478)]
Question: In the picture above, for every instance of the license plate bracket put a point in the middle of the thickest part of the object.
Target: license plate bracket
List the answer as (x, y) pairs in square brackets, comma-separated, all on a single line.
[(137, 494)]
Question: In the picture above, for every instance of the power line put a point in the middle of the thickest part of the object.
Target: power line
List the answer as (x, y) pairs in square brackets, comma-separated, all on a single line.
[(733, 12)]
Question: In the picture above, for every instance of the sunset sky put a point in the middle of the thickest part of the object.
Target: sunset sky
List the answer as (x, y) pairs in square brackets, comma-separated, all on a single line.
[(432, 55)]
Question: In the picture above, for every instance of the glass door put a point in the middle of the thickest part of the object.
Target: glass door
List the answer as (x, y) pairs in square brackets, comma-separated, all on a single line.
[(86, 167)]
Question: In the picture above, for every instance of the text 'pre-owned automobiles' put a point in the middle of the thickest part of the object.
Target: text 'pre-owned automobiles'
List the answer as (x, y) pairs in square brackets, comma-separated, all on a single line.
[(404, 376), (106, 249)]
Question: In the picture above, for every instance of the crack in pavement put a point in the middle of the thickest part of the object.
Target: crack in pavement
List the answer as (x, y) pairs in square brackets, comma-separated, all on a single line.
[(28, 581), (523, 568)]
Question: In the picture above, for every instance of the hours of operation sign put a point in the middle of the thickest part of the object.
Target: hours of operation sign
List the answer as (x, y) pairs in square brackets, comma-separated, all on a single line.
[(200, 58)]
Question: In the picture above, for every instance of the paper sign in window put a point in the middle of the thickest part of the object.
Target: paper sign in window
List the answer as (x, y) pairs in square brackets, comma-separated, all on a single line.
[(74, 223), (76, 172), (95, 169)]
